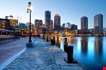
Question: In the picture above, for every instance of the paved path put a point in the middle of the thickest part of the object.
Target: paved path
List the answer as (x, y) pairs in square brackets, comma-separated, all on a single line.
[(9, 40), (6, 36), (10, 51), (42, 57)]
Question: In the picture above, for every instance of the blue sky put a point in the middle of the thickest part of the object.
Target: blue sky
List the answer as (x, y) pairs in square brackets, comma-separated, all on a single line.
[(69, 10)]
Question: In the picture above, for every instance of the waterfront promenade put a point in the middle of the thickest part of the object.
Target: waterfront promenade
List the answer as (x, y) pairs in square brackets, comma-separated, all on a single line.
[(42, 56), (11, 49)]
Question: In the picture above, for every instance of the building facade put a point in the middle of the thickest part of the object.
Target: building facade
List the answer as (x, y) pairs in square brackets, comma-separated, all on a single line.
[(63, 26), (8, 26), (38, 26), (47, 17), (74, 27), (50, 26), (57, 22), (98, 23), (84, 24), (4, 23)]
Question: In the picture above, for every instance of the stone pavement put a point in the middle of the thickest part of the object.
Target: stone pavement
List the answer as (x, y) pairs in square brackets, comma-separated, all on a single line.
[(42, 56), (11, 50), (6, 36)]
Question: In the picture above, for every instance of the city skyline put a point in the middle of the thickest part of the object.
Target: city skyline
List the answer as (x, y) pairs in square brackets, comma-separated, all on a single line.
[(70, 11)]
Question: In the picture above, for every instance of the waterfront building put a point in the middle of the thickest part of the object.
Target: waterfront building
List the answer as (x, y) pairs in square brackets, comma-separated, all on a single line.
[(57, 22), (50, 26), (23, 29), (73, 27), (63, 26), (8, 26), (38, 26), (44, 29), (68, 25), (13, 23), (47, 18), (84, 24), (4, 23), (98, 23)]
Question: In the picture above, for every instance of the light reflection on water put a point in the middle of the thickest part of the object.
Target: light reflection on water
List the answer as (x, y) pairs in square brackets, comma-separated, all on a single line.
[(90, 52)]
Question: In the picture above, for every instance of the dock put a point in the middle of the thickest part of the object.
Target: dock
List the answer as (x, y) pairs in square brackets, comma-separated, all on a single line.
[(43, 56)]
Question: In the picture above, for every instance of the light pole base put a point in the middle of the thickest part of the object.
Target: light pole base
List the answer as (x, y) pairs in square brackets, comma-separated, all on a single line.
[(29, 45)]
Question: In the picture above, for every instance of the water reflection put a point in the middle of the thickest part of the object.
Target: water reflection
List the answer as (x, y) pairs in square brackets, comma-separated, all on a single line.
[(89, 51), (67, 41), (71, 40), (84, 45), (99, 46)]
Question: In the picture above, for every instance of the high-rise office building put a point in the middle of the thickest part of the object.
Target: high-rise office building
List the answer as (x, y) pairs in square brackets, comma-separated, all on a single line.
[(84, 24), (38, 26), (50, 26), (98, 23), (38, 23), (47, 17), (57, 22)]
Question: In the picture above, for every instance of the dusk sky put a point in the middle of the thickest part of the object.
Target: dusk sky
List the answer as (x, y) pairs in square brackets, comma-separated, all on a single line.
[(69, 10)]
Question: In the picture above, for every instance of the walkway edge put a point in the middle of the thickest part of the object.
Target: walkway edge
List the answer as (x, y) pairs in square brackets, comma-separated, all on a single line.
[(8, 61)]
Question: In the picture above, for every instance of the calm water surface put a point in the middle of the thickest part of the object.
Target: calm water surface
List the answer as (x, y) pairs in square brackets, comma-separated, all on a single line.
[(90, 52)]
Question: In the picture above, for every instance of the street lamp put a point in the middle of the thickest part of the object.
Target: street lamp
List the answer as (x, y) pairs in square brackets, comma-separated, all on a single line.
[(29, 10)]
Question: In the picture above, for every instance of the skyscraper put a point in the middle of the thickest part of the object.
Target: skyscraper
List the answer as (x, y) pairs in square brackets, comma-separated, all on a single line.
[(98, 23), (84, 24), (50, 26), (47, 17), (38, 26), (57, 22)]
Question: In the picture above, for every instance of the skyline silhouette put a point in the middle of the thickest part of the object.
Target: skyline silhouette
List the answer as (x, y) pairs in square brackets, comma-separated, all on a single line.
[(70, 10)]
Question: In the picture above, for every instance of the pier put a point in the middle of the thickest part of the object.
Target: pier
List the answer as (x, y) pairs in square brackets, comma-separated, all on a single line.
[(43, 56)]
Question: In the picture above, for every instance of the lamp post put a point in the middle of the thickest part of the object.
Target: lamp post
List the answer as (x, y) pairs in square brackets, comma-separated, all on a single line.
[(29, 10)]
